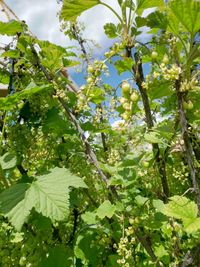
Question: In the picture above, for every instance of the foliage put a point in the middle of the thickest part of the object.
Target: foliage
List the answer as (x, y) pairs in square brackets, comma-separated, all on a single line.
[(106, 174)]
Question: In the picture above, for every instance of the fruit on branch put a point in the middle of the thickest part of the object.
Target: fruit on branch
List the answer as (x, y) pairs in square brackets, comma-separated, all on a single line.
[(165, 59), (89, 80), (126, 106), (122, 100), (145, 164), (188, 105), (154, 54), (90, 69), (134, 97), (126, 87)]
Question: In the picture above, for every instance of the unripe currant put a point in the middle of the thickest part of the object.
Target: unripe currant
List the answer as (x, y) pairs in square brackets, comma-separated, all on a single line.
[(165, 59), (188, 105), (126, 106), (134, 97), (90, 69), (89, 80), (154, 54), (145, 164), (126, 87), (122, 100)]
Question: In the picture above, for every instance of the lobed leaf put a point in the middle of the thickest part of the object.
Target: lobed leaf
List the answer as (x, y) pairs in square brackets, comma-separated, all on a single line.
[(10, 28), (187, 13), (106, 209), (71, 9), (8, 161), (48, 194)]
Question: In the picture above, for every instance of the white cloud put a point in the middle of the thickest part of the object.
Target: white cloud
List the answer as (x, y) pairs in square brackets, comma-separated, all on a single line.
[(42, 19)]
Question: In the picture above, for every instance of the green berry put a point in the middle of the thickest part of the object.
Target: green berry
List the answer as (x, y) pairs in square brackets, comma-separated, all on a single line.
[(165, 59), (134, 97), (89, 80), (154, 54), (90, 69), (126, 87), (145, 164)]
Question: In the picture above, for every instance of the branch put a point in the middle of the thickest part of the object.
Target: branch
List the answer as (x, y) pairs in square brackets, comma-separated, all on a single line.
[(139, 77), (147, 245), (189, 152), (89, 151), (81, 42)]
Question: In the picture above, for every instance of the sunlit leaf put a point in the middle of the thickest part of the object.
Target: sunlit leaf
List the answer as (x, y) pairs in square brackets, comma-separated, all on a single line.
[(48, 194), (106, 209), (10, 28), (71, 9), (187, 13), (8, 161), (144, 4)]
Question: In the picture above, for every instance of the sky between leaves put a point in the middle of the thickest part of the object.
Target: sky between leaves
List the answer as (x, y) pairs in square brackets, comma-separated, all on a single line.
[(43, 21)]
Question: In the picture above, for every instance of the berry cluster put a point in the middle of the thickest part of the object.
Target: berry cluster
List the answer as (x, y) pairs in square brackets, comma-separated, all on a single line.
[(171, 73), (128, 99)]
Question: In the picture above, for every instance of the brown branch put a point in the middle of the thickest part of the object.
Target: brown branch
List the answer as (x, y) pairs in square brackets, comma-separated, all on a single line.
[(89, 150), (81, 42), (189, 152), (147, 245), (139, 77)]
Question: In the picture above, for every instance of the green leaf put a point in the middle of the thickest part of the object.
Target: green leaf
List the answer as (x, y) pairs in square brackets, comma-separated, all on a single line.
[(191, 226), (184, 209), (11, 54), (58, 256), (157, 20), (160, 251), (187, 13), (140, 22), (144, 4), (8, 161), (15, 204), (140, 200), (89, 217), (96, 95), (153, 138), (48, 194), (181, 208), (124, 65), (60, 127), (106, 209), (10, 28), (69, 63), (54, 56), (160, 89), (4, 76), (110, 30), (71, 9), (10, 101), (51, 192), (158, 204)]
